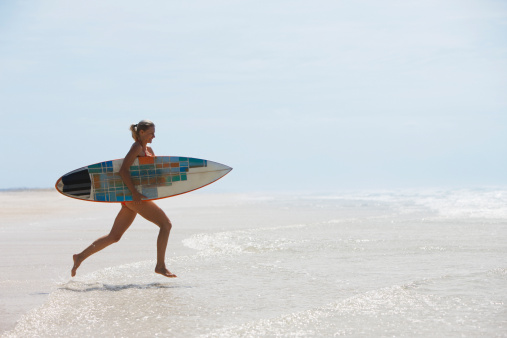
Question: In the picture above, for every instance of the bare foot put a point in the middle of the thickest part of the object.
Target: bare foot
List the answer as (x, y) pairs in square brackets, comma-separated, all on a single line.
[(77, 263), (164, 272)]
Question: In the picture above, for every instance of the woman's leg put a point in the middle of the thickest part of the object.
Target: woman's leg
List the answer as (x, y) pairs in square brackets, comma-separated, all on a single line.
[(150, 211), (122, 222)]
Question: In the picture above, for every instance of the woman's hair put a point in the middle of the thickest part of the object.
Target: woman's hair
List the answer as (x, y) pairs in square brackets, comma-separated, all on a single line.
[(142, 125)]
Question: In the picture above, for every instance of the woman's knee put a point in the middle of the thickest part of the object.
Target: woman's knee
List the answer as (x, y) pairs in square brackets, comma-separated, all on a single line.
[(115, 237), (164, 224), (167, 225)]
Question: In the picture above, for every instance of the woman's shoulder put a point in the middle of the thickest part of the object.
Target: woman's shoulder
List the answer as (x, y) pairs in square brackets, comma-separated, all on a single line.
[(136, 146), (135, 149)]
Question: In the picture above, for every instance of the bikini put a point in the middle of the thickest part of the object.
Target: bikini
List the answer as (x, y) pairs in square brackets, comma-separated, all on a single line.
[(146, 154)]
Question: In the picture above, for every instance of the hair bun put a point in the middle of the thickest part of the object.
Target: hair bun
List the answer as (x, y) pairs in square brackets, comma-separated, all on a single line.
[(142, 125)]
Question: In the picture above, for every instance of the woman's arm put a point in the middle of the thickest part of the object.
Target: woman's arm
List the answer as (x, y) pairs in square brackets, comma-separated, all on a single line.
[(135, 150)]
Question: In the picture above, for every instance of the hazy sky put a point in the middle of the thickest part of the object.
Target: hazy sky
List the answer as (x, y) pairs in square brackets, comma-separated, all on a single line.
[(316, 96)]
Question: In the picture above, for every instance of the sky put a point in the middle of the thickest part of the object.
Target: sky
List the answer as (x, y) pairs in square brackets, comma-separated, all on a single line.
[(297, 96)]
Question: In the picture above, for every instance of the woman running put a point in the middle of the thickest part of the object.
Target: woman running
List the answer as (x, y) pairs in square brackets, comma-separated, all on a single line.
[(143, 134)]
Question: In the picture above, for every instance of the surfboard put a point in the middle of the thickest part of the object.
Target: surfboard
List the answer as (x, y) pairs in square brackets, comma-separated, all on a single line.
[(154, 177)]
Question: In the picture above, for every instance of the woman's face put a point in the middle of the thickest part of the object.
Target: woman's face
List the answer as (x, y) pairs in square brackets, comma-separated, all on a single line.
[(147, 135)]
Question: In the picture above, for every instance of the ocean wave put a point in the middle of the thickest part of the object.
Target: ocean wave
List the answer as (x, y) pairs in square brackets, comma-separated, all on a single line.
[(468, 203), (455, 203)]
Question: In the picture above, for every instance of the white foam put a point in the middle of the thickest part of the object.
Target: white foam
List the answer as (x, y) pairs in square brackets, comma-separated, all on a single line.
[(242, 241)]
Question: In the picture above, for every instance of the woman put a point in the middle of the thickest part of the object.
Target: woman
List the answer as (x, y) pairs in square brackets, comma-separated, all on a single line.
[(143, 134)]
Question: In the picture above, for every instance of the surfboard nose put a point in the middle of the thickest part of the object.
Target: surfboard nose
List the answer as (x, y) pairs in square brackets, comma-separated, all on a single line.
[(222, 167)]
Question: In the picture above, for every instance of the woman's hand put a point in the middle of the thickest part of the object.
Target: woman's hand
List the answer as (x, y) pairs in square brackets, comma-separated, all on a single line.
[(137, 197)]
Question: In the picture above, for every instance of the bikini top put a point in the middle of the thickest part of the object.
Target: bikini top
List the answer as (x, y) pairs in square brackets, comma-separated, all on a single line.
[(146, 153)]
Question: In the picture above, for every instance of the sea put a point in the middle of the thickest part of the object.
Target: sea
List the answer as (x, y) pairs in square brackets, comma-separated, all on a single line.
[(394, 263)]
